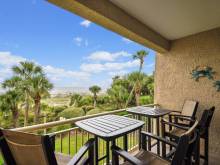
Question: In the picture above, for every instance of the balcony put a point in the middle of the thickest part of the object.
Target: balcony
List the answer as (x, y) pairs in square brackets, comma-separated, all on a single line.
[(186, 35)]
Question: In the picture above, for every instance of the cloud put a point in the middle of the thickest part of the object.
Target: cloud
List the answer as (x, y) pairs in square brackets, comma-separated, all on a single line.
[(85, 23), (55, 74), (126, 40), (79, 41), (107, 56), (118, 73), (109, 66), (8, 60), (59, 73)]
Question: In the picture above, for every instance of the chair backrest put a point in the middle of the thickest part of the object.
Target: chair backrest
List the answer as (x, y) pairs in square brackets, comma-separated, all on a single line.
[(29, 148), (211, 113), (205, 120), (6, 153), (190, 108), (185, 141)]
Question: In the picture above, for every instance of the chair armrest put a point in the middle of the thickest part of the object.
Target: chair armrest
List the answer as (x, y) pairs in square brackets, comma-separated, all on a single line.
[(81, 152), (175, 112), (130, 158), (179, 115), (187, 118), (174, 125), (143, 133)]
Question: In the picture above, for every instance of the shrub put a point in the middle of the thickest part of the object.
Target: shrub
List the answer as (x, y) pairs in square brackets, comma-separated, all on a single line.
[(95, 111), (146, 100), (87, 108), (71, 112), (58, 109), (86, 100), (103, 99)]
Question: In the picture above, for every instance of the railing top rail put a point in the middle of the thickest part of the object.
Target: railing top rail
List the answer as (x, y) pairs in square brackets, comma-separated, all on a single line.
[(63, 131), (68, 121)]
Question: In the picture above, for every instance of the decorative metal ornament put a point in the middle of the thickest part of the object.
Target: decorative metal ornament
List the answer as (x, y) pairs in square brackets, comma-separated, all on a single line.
[(199, 72), (217, 85)]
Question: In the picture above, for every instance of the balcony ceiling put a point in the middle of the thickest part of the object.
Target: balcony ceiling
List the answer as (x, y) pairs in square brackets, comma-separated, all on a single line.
[(174, 19)]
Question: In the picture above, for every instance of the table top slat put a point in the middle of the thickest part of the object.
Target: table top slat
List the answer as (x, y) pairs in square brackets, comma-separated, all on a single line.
[(96, 127), (113, 123), (101, 125)]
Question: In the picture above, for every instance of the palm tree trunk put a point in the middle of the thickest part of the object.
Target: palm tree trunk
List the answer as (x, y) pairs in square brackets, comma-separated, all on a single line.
[(26, 111), (94, 103), (36, 110), (95, 97), (137, 98), (15, 115)]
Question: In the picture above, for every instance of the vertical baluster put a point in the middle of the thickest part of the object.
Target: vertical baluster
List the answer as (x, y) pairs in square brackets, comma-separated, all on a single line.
[(129, 135), (61, 143), (76, 140), (133, 135), (69, 142), (82, 137)]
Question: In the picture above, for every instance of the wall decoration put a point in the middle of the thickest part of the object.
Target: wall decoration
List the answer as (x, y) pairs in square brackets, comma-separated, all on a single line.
[(217, 85), (199, 72)]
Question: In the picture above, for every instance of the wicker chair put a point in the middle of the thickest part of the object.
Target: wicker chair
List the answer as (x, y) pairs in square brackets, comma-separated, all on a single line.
[(25, 149), (144, 157), (203, 129)]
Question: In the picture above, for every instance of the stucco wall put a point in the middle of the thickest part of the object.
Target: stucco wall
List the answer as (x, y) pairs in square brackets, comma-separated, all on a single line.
[(174, 83)]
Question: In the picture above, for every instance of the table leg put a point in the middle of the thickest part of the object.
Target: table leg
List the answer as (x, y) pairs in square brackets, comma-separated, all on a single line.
[(149, 130), (140, 139), (125, 142), (158, 134), (96, 151), (107, 153), (115, 160)]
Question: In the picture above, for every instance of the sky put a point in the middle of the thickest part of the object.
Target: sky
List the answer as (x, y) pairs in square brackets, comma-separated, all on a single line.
[(73, 51)]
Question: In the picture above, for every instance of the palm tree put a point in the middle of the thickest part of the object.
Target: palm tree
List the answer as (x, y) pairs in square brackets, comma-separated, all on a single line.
[(140, 55), (39, 88), (26, 70), (118, 95), (75, 99), (9, 102), (136, 80), (95, 89)]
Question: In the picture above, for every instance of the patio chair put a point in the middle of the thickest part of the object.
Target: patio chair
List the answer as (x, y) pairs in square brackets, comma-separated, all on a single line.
[(25, 149), (7, 156), (189, 110), (203, 129), (144, 157)]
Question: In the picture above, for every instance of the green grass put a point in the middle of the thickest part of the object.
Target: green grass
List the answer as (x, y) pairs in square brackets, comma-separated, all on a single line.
[(1, 160), (77, 143)]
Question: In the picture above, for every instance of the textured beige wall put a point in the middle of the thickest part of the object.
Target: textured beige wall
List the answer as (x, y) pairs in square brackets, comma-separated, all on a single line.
[(174, 83)]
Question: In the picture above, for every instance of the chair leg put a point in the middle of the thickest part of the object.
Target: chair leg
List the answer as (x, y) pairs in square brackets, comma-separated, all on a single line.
[(163, 144), (170, 128), (197, 152), (206, 148)]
